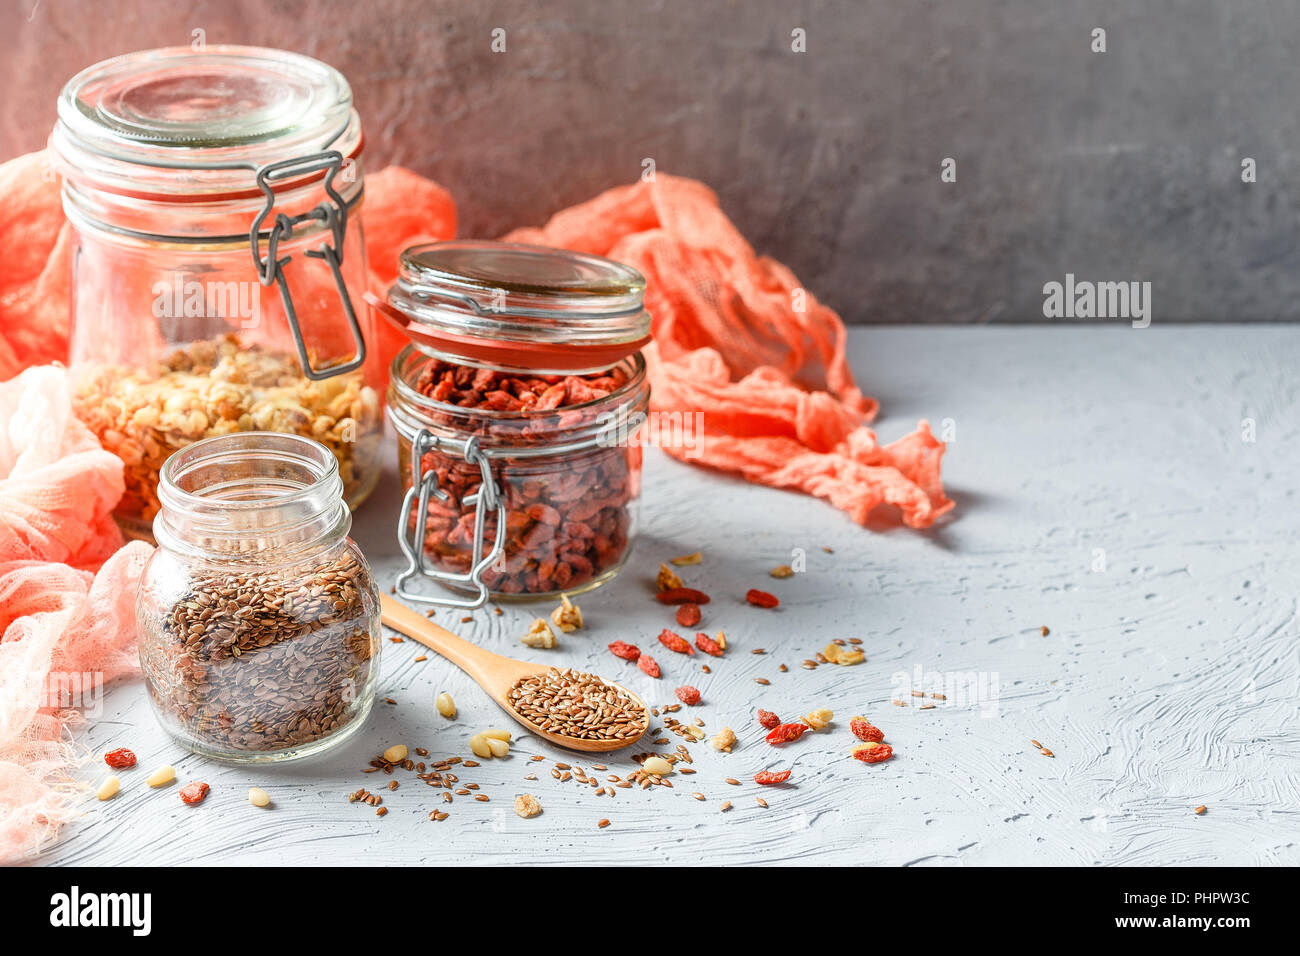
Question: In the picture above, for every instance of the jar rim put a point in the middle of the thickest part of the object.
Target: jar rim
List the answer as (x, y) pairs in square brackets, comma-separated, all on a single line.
[(300, 505), (177, 122), (519, 305)]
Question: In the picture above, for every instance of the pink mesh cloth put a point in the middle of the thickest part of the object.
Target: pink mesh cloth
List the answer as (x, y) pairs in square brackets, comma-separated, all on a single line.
[(737, 338), (65, 627)]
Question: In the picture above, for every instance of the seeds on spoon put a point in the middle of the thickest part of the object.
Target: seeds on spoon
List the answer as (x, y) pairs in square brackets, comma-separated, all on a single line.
[(576, 704)]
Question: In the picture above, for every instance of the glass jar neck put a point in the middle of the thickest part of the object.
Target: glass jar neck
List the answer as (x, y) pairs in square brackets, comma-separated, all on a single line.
[(260, 496)]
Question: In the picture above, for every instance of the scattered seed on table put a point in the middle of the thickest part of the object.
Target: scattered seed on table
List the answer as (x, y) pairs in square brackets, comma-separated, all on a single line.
[(398, 640), (108, 789), (1047, 753), (762, 680), (1199, 810), (1045, 630), (162, 776), (759, 650), (601, 824), (422, 657), (725, 806), (760, 801), (698, 796), (381, 812), (389, 700), (467, 618), (259, 797)]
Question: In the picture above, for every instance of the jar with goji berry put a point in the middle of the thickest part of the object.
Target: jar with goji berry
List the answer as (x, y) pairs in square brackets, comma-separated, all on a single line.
[(517, 406), (216, 257)]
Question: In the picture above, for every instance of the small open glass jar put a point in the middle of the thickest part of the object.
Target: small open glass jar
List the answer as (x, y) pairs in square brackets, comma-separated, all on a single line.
[(517, 407), (214, 197), (258, 617)]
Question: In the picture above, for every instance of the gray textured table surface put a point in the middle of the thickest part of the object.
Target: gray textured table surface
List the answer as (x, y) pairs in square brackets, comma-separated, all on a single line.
[(1104, 488)]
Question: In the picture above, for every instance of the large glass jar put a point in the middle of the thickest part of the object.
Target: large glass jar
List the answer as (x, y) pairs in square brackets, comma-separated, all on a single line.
[(518, 410), (258, 617), (218, 256)]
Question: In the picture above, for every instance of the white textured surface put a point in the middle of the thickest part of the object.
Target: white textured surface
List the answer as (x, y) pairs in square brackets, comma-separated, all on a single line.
[(1170, 679)]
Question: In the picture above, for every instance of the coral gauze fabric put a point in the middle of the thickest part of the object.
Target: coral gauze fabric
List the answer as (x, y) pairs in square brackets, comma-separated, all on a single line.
[(737, 338), (67, 598)]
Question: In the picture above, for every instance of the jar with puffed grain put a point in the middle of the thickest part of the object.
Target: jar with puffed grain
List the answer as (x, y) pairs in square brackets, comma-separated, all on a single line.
[(217, 259)]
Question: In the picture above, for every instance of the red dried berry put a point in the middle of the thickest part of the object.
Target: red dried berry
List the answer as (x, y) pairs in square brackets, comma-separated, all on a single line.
[(761, 598), (117, 759), (194, 792), (864, 730), (647, 664), (675, 642), (688, 614), (877, 754), (682, 596), (768, 719), (784, 733), (688, 695), (708, 645), (769, 777), (629, 652)]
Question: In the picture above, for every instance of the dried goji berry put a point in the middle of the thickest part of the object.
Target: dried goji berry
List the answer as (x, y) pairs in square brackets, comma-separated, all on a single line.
[(761, 598), (708, 645), (629, 652), (768, 719), (688, 614), (194, 792), (682, 596), (119, 758), (675, 642), (647, 664), (873, 752), (688, 695), (784, 733), (769, 777), (864, 730)]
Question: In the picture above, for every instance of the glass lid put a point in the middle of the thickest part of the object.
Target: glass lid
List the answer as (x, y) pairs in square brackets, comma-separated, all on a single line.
[(222, 108), (518, 306)]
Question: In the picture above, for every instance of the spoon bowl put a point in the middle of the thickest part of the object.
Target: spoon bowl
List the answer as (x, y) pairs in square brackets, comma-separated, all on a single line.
[(498, 675)]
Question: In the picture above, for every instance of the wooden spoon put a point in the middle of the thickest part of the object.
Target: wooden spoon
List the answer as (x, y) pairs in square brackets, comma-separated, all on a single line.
[(494, 673)]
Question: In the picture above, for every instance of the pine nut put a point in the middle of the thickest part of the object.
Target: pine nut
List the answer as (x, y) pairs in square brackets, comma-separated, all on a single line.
[(657, 766), (499, 748), (396, 753), (478, 744), (162, 776), (445, 705), (495, 734), (108, 789), (258, 797)]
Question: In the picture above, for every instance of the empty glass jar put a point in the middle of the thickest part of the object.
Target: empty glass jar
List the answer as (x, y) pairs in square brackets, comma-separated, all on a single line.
[(258, 617), (218, 256)]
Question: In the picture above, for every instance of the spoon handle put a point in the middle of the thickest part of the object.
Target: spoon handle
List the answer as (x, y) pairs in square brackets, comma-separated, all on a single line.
[(419, 628), (492, 672)]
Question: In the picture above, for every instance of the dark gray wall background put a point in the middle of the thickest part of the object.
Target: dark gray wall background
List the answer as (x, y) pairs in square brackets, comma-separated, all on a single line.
[(1114, 166)]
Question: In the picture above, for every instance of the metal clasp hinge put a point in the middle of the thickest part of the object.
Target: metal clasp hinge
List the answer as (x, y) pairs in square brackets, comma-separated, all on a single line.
[(424, 485), (334, 214)]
